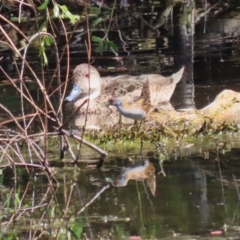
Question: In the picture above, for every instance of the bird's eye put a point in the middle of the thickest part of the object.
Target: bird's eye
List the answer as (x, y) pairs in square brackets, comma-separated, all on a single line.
[(87, 75)]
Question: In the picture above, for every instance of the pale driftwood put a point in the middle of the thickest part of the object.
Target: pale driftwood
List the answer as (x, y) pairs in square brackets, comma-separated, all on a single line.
[(225, 109)]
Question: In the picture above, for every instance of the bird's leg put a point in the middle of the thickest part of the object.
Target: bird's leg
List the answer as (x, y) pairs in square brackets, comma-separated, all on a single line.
[(137, 124), (110, 110), (120, 119)]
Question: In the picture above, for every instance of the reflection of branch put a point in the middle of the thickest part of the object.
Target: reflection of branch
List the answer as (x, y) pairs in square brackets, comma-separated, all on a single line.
[(15, 216), (137, 15), (23, 165), (20, 210), (206, 11), (65, 209), (236, 186), (162, 169), (163, 17), (159, 147), (96, 196)]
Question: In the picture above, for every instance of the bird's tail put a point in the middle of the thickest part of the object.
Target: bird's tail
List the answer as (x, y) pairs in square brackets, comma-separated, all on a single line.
[(178, 75)]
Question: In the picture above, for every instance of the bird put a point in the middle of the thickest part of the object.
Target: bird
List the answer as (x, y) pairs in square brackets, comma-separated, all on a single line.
[(88, 84), (137, 109), (140, 170)]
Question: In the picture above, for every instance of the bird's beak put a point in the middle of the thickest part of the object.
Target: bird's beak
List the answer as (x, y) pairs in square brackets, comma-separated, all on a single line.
[(74, 94)]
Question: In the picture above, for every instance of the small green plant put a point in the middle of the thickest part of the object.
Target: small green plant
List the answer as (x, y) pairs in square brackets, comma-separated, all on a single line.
[(44, 41), (104, 43), (59, 11)]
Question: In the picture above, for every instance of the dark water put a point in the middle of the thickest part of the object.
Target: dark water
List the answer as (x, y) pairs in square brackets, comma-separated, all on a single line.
[(197, 199)]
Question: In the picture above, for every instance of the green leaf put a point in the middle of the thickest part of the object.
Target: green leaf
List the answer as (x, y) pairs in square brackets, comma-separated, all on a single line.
[(45, 59), (41, 48), (101, 47), (96, 39), (110, 180), (48, 41), (63, 8), (106, 45), (73, 18), (113, 45), (53, 212), (78, 230), (44, 5), (43, 27), (97, 21), (56, 10), (42, 53), (8, 201), (111, 68)]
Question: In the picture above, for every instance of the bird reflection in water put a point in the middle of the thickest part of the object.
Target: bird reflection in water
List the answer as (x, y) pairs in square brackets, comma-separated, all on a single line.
[(140, 171)]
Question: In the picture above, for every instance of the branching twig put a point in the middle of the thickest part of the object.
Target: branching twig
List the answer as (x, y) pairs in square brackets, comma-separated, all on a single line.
[(96, 196), (88, 144)]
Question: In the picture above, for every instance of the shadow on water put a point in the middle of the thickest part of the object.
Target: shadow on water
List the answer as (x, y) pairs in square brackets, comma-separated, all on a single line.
[(164, 192)]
